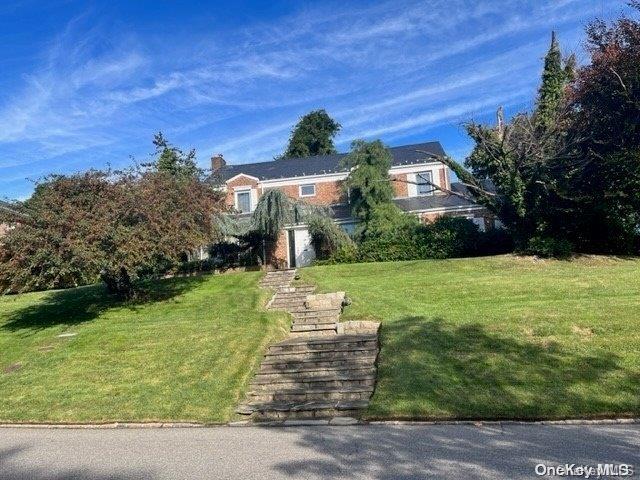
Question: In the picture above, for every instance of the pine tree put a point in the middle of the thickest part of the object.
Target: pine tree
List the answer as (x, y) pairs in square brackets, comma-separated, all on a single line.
[(312, 135), (553, 78)]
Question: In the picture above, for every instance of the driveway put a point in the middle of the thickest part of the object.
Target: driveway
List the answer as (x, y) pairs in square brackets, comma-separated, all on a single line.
[(318, 452)]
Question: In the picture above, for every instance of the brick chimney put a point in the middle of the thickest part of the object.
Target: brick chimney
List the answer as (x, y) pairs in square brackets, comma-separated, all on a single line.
[(217, 162)]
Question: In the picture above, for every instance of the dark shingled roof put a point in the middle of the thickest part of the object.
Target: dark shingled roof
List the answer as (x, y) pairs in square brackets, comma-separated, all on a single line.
[(412, 204), (427, 202), (324, 164)]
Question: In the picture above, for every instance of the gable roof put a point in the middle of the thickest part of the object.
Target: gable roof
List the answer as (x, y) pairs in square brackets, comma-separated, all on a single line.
[(324, 164)]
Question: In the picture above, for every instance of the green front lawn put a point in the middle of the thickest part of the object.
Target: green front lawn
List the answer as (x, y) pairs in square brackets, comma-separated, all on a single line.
[(186, 353), (500, 337)]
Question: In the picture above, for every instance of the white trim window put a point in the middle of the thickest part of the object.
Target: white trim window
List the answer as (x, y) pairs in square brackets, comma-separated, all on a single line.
[(243, 201), (423, 183), (308, 190)]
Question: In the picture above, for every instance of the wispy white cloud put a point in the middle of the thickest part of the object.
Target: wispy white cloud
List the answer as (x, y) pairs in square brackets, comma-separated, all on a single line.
[(390, 69)]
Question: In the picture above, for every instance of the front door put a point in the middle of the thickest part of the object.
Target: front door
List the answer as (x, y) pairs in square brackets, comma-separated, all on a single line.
[(304, 251), (292, 248)]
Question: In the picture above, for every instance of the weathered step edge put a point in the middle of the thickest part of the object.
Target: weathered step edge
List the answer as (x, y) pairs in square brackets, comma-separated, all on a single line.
[(324, 368)]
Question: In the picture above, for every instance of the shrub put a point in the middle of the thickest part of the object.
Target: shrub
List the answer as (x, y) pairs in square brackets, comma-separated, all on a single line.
[(226, 254), (345, 254), (450, 237), (549, 247), (495, 242), (385, 220), (327, 237), (197, 266), (446, 237)]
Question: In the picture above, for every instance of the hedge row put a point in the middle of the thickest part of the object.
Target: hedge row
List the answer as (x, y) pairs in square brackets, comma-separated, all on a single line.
[(447, 237)]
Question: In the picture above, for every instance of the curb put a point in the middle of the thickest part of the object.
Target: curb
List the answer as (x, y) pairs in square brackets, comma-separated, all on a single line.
[(111, 425), (337, 421)]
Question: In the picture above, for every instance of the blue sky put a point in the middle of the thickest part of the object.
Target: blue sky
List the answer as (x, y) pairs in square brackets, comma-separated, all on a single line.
[(86, 84)]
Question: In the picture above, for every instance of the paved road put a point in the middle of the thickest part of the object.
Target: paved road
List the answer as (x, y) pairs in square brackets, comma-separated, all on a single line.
[(374, 451)]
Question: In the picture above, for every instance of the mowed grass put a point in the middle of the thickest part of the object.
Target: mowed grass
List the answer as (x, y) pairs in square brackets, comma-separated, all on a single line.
[(185, 354), (499, 337)]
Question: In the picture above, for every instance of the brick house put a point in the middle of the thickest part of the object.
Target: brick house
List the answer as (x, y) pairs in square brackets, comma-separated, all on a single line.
[(318, 180)]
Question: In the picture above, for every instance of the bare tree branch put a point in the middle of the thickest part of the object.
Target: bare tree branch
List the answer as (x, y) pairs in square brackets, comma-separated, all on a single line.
[(466, 178), (435, 187)]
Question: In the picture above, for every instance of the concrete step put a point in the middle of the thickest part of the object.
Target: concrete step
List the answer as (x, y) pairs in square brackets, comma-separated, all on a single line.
[(315, 373), (276, 284), (309, 395), (303, 289), (339, 354), (327, 373), (323, 343), (283, 276), (284, 304), (291, 296), (314, 321), (278, 278), (281, 306), (306, 313), (308, 289), (313, 383), (290, 366), (314, 350), (313, 327), (310, 375), (314, 334), (293, 300), (280, 410)]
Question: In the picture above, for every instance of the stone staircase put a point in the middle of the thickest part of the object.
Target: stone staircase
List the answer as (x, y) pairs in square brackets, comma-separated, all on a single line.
[(324, 368)]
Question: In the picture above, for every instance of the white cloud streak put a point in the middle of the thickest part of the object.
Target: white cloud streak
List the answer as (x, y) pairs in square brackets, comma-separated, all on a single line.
[(387, 69)]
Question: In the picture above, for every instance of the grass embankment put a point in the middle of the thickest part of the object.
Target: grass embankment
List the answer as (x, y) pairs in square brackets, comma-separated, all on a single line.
[(185, 354), (500, 337)]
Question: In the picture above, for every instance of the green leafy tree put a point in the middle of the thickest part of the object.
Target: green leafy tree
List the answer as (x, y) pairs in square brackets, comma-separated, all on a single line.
[(525, 166), (527, 161), (368, 185), (274, 211), (115, 226), (312, 135), (606, 99), (172, 160)]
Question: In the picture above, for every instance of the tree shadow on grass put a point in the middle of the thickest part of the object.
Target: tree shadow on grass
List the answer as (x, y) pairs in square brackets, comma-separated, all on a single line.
[(78, 305), (432, 369), (436, 369)]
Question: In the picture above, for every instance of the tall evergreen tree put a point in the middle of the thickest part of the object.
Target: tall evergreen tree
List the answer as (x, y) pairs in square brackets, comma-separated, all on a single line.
[(554, 81), (312, 135)]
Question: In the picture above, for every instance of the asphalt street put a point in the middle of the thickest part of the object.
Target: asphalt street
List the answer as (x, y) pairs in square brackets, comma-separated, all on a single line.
[(313, 452)]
